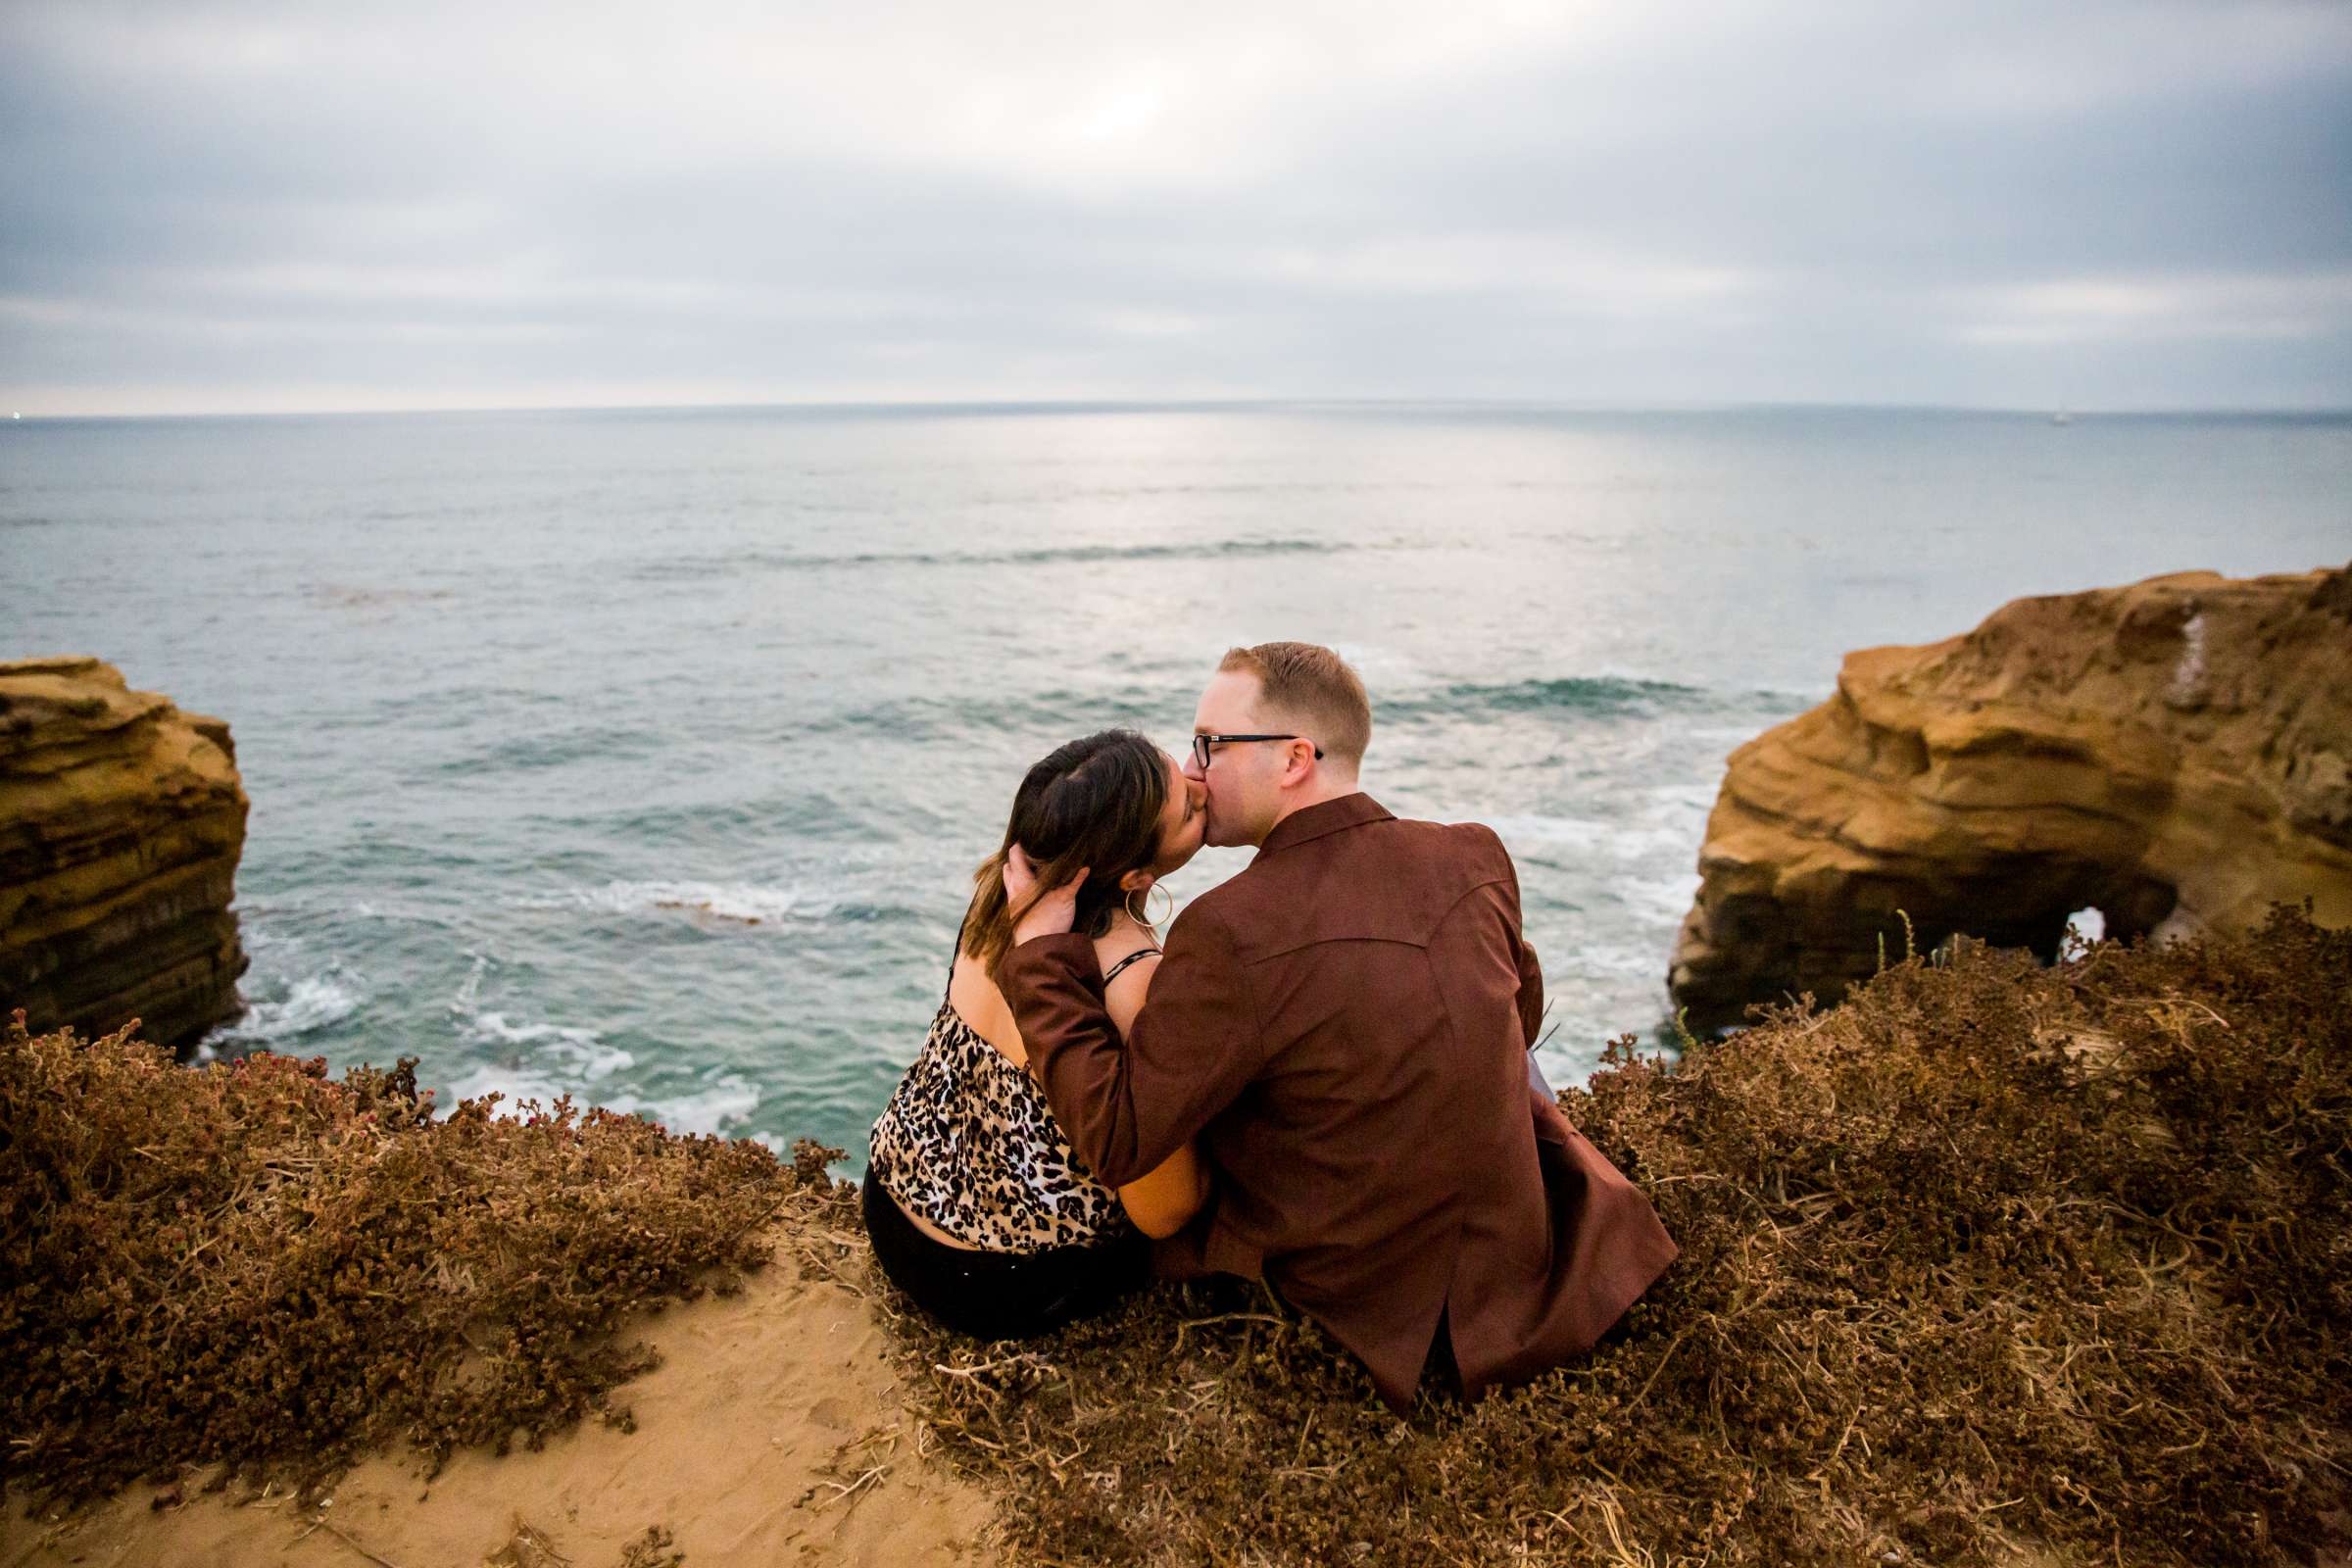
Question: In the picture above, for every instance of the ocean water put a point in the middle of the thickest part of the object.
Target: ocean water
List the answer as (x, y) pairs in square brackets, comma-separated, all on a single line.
[(644, 755)]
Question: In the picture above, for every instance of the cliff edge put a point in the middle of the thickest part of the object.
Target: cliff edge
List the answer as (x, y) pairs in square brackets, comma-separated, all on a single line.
[(121, 819), (2176, 753)]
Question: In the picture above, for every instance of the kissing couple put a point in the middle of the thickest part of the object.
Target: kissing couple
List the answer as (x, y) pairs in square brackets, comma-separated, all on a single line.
[(1322, 1079)]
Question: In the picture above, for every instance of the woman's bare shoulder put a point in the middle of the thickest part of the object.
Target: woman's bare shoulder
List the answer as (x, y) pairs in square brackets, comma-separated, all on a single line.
[(1126, 935)]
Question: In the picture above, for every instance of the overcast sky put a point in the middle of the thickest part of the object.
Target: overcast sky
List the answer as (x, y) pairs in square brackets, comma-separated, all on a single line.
[(2022, 205)]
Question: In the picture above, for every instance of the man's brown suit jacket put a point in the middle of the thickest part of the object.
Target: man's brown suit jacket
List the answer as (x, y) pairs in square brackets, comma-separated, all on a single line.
[(1344, 1026)]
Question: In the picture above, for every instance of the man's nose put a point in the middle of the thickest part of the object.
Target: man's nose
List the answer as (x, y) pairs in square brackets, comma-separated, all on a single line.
[(1193, 770)]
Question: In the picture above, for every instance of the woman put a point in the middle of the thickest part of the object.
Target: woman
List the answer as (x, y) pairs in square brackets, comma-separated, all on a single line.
[(976, 1202)]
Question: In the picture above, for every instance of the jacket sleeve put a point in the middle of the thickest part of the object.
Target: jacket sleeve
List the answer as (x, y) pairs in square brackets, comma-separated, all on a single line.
[(1531, 973), (1531, 992), (1126, 1106)]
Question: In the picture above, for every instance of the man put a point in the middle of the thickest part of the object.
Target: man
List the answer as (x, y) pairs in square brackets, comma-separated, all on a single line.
[(1346, 1026)]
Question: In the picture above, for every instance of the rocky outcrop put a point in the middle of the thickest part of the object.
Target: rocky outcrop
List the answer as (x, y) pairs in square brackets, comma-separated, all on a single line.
[(2177, 755), (121, 823)]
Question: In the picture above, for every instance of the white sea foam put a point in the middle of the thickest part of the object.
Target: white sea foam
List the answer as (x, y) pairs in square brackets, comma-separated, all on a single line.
[(1681, 800), (1663, 899), (516, 1083), (311, 1003), (1729, 737), (473, 986), (723, 1100), (720, 1101), (1616, 840), (540, 1060), (728, 903), (583, 1051), (1623, 963)]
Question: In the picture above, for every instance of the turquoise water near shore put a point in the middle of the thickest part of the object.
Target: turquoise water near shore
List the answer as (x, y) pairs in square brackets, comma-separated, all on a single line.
[(644, 756)]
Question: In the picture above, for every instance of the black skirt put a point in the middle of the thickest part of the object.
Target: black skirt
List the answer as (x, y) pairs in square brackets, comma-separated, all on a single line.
[(999, 1295)]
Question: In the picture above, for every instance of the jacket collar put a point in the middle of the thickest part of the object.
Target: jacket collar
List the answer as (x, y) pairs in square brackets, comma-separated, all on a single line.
[(1316, 821)]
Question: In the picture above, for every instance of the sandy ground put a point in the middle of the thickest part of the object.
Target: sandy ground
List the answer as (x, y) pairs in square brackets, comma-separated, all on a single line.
[(771, 1434)]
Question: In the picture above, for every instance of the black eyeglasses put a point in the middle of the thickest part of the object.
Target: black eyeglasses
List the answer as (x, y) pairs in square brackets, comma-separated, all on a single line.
[(1200, 744)]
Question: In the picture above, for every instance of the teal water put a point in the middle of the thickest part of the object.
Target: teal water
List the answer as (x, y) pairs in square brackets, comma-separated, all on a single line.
[(644, 755)]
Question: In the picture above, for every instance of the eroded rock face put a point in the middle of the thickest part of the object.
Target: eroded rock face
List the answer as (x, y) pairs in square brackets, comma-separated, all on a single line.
[(2177, 754), (121, 823)]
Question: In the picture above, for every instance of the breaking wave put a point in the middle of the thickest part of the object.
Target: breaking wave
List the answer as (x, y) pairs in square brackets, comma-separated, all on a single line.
[(745, 903), (736, 561), (310, 1004)]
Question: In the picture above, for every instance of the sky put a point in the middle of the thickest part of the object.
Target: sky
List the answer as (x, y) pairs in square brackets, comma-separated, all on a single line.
[(1990, 203)]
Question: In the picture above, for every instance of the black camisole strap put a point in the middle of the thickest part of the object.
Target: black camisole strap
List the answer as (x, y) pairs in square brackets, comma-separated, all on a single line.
[(1112, 973)]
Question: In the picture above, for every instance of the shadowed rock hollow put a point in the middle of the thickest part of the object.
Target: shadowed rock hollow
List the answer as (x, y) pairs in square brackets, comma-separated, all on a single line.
[(121, 819), (2176, 755)]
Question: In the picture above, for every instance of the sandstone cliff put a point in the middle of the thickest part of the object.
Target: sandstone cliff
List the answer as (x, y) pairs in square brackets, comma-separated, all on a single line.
[(2177, 754), (121, 823)]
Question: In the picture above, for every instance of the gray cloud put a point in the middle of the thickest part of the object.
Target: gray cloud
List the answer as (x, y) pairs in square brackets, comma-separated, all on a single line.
[(2106, 205)]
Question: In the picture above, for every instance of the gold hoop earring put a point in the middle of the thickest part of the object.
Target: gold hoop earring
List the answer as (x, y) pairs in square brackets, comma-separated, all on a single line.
[(1143, 917)]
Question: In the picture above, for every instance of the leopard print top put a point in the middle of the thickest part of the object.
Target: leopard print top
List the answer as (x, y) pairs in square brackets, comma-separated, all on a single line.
[(968, 1144)]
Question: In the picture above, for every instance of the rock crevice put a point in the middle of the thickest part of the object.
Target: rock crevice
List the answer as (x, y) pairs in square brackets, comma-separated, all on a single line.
[(2176, 753), (121, 819)]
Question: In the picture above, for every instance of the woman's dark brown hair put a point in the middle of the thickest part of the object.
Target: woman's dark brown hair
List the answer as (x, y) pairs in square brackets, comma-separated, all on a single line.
[(1093, 803)]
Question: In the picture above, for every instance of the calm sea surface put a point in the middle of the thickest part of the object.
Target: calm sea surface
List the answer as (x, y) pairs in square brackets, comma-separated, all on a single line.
[(644, 755)]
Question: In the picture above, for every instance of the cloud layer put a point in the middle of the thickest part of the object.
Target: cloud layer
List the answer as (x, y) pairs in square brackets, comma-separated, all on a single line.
[(279, 206)]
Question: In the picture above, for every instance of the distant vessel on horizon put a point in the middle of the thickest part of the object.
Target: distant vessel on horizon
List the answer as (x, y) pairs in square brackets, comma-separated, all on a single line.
[(2062, 418)]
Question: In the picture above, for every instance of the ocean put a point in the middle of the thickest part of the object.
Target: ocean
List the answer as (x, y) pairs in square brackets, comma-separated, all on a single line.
[(644, 755)]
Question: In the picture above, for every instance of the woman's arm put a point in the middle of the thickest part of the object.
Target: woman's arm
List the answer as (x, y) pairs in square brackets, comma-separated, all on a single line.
[(1162, 1200), (1127, 1105)]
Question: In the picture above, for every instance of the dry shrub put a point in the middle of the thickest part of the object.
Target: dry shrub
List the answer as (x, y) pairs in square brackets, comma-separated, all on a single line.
[(1991, 1260), (252, 1264)]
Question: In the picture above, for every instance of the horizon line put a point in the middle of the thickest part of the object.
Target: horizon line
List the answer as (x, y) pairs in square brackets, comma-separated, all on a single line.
[(1047, 406)]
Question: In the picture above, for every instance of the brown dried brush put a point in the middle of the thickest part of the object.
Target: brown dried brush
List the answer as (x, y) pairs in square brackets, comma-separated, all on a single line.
[(1991, 1260), (254, 1265)]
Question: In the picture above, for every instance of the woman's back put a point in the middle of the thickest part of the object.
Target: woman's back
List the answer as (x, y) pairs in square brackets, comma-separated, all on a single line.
[(977, 1000)]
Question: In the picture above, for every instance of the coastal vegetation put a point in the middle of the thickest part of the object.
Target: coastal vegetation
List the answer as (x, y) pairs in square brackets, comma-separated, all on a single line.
[(254, 1266), (1994, 1261)]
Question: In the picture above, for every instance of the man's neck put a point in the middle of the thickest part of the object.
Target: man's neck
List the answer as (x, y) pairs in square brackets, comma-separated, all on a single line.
[(1319, 793)]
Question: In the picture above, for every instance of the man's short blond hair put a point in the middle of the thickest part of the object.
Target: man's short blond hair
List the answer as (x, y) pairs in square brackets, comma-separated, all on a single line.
[(1315, 689)]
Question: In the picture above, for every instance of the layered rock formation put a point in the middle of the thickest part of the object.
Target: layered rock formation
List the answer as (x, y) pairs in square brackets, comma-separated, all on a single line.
[(2177, 755), (121, 823)]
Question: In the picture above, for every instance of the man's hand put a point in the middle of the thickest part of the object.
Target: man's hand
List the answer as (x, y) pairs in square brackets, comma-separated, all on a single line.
[(1056, 911)]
